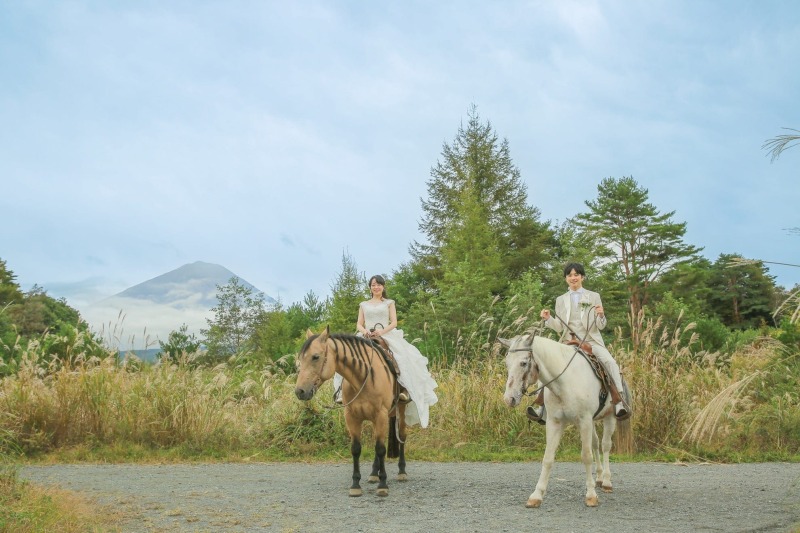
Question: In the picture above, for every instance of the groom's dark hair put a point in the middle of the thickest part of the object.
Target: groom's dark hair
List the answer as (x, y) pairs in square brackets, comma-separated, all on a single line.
[(577, 267)]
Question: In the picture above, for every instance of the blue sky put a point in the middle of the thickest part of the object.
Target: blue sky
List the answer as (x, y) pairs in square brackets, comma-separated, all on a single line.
[(272, 137)]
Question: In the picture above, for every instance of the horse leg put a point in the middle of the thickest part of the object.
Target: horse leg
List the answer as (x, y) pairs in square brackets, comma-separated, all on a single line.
[(355, 450), (376, 467), (554, 430), (381, 426), (587, 429), (604, 479), (401, 437), (354, 427), (598, 463)]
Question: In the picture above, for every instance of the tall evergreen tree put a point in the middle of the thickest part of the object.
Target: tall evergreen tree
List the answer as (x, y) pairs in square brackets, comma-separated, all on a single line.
[(631, 233), (477, 167), (347, 292)]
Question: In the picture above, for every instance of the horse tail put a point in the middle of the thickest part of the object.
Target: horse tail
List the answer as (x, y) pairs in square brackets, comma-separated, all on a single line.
[(393, 447)]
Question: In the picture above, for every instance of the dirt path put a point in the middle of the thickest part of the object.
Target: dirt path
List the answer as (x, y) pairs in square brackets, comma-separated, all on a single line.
[(444, 497)]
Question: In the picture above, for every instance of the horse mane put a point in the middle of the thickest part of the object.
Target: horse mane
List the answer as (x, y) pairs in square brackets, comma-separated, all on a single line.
[(552, 345), (346, 338)]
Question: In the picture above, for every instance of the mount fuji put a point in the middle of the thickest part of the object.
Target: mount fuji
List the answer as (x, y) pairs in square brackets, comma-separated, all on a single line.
[(140, 316)]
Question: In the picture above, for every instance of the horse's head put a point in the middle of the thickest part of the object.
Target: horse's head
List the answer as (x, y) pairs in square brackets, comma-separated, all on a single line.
[(522, 370), (314, 366)]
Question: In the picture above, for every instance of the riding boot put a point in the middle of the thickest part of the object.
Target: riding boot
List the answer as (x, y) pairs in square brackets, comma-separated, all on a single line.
[(621, 409), (537, 412), (538, 415), (337, 396)]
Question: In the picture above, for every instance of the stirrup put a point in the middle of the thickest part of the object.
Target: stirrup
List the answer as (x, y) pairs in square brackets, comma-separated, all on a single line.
[(403, 397), (534, 415)]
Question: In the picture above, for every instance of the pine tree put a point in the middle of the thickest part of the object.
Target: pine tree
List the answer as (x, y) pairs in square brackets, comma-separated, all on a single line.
[(477, 169), (631, 233), (347, 292)]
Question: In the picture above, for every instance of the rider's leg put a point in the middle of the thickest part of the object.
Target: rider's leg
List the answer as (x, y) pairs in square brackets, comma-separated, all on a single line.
[(537, 412), (337, 387), (611, 366)]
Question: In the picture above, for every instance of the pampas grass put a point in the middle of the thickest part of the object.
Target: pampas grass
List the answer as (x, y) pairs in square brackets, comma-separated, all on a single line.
[(684, 402)]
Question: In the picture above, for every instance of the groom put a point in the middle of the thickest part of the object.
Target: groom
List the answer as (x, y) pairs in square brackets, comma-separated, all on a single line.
[(580, 316)]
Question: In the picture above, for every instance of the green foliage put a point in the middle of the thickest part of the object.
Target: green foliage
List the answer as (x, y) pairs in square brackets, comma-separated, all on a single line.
[(9, 289), (179, 344), (464, 296), (274, 337), (789, 334), (481, 236), (631, 233), (236, 318), (524, 302), (476, 185), (55, 329), (347, 292), (741, 293)]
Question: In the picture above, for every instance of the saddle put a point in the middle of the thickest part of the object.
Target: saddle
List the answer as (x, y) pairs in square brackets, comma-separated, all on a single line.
[(607, 385), (388, 356), (585, 347)]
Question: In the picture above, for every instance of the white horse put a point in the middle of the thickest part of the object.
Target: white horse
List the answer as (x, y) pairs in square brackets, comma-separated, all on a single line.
[(571, 396)]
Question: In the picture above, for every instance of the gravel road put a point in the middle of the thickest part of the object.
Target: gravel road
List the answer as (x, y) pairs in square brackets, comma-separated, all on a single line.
[(439, 497)]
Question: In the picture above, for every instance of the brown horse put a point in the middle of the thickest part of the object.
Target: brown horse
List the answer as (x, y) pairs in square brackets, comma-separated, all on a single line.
[(369, 392)]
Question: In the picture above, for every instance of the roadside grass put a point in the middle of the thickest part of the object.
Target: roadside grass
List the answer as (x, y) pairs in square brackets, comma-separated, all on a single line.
[(27, 508)]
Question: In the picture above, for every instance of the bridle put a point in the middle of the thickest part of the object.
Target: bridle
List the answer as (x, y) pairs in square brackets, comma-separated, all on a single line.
[(532, 362)]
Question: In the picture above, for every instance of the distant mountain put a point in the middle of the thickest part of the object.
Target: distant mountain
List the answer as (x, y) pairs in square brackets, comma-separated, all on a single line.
[(141, 316), (190, 285)]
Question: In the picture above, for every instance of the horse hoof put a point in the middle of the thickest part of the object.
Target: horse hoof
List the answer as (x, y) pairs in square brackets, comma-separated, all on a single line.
[(383, 492), (355, 492), (608, 488), (402, 477), (591, 502), (372, 479), (598, 483), (533, 503)]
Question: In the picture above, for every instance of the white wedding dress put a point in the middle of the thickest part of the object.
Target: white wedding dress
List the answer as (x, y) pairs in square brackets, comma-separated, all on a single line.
[(414, 375)]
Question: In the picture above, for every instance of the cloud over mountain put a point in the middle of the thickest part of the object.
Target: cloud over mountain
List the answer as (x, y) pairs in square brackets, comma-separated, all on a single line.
[(141, 316)]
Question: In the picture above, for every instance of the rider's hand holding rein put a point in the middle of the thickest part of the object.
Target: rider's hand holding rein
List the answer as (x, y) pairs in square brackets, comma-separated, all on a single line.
[(598, 309)]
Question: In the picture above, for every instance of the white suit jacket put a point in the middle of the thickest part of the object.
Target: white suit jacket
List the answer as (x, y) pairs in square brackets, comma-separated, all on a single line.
[(589, 300)]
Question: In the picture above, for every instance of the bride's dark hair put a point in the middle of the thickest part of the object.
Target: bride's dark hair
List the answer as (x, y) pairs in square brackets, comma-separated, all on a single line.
[(380, 281)]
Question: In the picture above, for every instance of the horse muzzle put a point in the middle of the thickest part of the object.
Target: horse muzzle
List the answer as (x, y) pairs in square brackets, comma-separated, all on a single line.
[(305, 393), (512, 400)]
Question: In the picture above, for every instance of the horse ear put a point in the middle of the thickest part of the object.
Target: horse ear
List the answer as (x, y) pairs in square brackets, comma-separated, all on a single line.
[(323, 337), (504, 342), (529, 341), (309, 334)]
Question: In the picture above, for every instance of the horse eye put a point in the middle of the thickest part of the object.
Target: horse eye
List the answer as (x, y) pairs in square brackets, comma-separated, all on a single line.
[(523, 364), (315, 357)]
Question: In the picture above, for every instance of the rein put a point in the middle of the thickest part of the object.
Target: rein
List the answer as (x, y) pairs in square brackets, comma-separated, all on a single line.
[(366, 378), (530, 358)]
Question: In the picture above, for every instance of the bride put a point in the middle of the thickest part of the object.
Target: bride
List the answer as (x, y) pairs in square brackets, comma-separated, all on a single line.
[(377, 317)]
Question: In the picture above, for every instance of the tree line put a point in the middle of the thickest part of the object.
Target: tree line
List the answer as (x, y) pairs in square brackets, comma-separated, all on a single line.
[(487, 261)]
